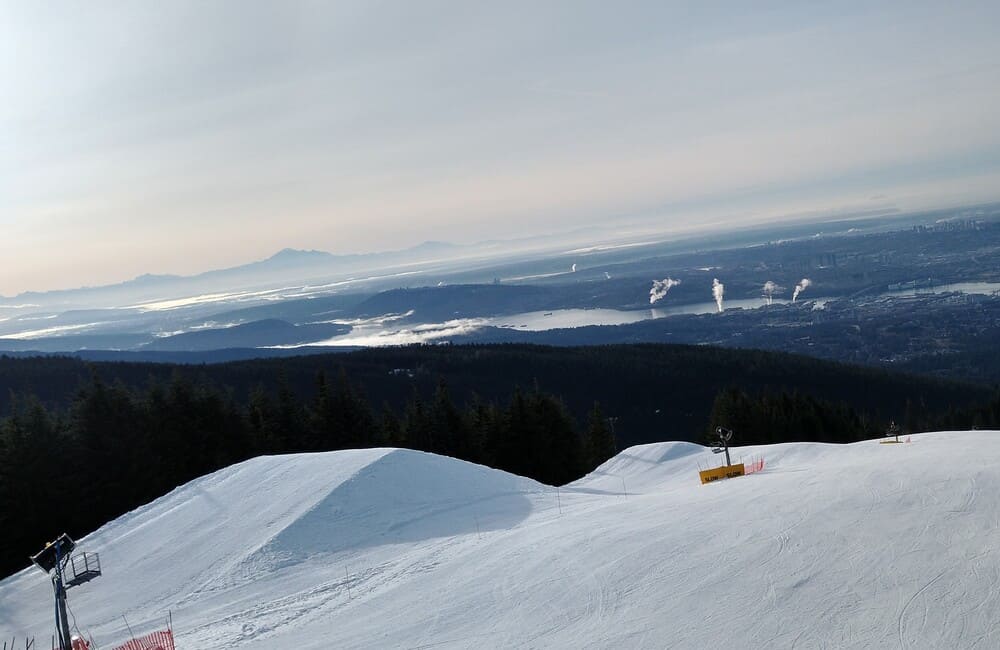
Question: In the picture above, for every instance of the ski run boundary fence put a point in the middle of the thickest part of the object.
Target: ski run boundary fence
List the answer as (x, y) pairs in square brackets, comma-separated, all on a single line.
[(159, 640), (751, 465), (755, 464), (29, 644)]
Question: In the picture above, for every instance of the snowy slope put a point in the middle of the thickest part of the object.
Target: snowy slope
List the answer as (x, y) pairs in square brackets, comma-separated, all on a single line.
[(863, 545)]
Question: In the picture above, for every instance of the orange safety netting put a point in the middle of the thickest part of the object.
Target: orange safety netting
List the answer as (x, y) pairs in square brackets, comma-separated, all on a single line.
[(756, 464), (160, 640)]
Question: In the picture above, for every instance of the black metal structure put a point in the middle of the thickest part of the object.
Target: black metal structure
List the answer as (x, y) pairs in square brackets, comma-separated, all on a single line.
[(67, 571), (47, 558), (725, 435), (893, 430), (83, 567)]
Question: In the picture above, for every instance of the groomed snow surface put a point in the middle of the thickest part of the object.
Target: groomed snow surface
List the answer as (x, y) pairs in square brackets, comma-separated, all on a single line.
[(853, 546)]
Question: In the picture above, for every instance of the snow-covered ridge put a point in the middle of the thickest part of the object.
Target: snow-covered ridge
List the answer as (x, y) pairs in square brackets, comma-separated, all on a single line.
[(862, 545)]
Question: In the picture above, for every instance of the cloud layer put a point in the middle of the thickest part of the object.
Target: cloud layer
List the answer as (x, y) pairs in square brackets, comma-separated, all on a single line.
[(175, 137)]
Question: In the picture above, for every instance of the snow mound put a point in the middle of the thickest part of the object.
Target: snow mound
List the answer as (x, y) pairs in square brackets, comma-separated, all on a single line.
[(402, 497), (213, 538), (664, 466), (647, 467)]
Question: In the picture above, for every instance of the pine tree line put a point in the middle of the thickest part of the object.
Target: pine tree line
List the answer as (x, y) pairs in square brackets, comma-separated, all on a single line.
[(769, 417)]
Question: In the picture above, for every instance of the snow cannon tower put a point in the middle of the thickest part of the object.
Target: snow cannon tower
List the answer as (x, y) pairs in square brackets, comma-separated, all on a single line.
[(67, 571), (728, 470), (892, 432)]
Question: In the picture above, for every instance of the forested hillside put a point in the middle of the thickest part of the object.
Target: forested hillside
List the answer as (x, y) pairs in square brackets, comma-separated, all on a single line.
[(81, 443), (656, 392)]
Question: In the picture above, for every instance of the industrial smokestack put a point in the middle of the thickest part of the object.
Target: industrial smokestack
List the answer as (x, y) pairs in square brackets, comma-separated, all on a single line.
[(660, 289), (718, 291), (800, 287)]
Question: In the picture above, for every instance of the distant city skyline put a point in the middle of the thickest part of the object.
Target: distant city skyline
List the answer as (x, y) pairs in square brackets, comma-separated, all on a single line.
[(186, 136)]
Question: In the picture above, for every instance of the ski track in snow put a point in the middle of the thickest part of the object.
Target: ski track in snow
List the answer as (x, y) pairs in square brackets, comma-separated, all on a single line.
[(851, 546)]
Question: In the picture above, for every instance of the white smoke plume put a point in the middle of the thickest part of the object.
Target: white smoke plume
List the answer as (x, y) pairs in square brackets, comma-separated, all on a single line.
[(718, 291), (660, 289), (800, 287), (574, 268), (770, 289)]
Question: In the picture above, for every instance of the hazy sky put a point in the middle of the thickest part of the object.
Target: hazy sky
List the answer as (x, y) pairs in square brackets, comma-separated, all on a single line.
[(174, 137)]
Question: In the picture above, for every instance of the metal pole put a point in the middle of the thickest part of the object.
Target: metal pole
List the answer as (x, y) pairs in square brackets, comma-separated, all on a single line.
[(62, 620), (131, 634), (67, 643), (724, 436)]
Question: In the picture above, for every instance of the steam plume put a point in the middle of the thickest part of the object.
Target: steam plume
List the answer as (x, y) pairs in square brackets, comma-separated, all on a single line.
[(800, 287), (718, 291), (770, 289), (660, 289)]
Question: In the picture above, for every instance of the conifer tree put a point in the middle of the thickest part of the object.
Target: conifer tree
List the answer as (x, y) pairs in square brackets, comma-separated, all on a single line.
[(599, 443)]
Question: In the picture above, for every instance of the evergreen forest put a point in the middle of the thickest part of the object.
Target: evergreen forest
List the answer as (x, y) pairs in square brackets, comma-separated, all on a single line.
[(82, 443)]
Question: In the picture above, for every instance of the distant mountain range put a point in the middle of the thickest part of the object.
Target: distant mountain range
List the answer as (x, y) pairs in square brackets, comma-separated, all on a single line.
[(298, 268)]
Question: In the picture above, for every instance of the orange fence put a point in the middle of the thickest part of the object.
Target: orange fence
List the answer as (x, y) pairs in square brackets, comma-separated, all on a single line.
[(162, 640), (755, 464)]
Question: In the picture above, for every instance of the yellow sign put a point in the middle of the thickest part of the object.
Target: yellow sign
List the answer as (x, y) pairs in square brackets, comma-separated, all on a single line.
[(730, 471)]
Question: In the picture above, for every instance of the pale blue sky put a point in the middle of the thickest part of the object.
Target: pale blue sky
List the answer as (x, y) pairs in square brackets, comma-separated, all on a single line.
[(174, 137)]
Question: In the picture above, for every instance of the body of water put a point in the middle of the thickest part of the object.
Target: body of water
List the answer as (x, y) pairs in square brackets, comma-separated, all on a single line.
[(538, 321), (985, 288)]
